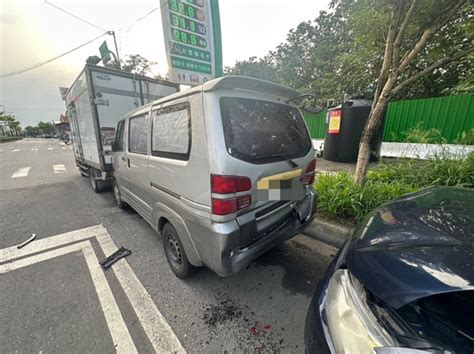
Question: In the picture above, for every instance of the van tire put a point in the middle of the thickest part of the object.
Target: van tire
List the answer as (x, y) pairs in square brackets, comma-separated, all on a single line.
[(118, 196), (97, 185), (174, 251)]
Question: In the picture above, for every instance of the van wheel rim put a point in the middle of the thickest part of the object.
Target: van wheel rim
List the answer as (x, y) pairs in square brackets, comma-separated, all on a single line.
[(174, 251)]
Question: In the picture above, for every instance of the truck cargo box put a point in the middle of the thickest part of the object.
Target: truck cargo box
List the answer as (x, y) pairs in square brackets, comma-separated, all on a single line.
[(96, 101)]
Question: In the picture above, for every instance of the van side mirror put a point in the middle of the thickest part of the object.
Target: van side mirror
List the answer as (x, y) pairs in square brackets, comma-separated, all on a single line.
[(314, 109)]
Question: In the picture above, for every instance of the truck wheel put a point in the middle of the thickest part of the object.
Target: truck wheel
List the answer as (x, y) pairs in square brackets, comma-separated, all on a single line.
[(175, 254), (118, 197), (96, 184)]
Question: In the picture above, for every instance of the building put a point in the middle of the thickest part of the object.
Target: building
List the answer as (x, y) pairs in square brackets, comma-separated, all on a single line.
[(62, 128)]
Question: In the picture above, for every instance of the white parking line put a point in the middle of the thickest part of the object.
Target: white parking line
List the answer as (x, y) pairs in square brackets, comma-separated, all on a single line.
[(157, 329), (34, 149), (64, 148), (120, 335), (50, 148), (15, 150), (154, 324), (21, 172), (59, 169)]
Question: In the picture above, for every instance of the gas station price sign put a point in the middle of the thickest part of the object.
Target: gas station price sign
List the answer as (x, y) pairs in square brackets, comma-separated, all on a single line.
[(192, 40)]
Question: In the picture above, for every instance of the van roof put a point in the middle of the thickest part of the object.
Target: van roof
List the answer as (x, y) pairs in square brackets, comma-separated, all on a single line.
[(229, 82)]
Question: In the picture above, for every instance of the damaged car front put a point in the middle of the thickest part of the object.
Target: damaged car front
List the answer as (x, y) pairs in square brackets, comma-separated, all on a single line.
[(403, 283)]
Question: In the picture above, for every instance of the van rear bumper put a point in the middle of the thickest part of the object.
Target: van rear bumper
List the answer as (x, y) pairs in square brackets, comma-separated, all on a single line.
[(231, 258)]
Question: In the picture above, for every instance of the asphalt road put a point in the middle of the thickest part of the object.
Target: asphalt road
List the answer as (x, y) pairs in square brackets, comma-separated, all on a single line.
[(56, 298)]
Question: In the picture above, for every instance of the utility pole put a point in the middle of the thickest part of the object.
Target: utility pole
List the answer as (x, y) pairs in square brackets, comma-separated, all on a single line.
[(112, 33)]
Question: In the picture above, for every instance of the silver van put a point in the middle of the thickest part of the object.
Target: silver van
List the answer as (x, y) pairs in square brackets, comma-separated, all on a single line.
[(223, 171)]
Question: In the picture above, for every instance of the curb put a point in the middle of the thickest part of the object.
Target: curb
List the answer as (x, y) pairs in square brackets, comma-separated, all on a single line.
[(328, 232)]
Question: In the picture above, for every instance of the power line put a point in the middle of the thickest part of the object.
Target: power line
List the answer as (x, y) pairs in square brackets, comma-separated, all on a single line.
[(20, 71), (75, 16), (141, 18), (146, 15)]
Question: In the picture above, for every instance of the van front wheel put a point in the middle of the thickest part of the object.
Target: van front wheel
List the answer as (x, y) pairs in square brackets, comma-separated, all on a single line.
[(118, 197), (175, 254)]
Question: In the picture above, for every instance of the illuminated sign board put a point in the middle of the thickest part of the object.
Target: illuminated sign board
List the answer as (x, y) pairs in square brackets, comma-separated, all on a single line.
[(192, 39)]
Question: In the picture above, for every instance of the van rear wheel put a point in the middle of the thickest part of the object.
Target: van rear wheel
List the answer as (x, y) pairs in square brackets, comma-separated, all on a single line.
[(175, 254)]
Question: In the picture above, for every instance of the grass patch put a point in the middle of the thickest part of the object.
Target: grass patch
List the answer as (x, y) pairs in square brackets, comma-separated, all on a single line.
[(341, 198)]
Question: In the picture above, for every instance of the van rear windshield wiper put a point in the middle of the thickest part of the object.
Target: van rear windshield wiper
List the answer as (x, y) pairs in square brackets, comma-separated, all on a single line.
[(290, 161)]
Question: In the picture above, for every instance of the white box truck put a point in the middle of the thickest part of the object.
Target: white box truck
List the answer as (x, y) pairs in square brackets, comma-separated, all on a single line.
[(96, 101)]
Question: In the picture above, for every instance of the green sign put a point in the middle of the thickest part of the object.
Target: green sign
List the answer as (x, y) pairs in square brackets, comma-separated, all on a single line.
[(104, 52), (192, 40)]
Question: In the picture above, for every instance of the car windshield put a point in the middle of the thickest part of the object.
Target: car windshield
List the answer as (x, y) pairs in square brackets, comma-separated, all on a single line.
[(260, 131)]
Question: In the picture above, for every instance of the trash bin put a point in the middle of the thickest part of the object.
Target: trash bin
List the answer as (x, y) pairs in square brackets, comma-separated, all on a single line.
[(344, 126)]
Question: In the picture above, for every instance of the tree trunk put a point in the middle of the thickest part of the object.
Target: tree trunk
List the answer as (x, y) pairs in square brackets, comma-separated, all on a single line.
[(371, 127)]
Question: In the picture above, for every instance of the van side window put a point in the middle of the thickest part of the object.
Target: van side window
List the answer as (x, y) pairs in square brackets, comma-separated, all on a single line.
[(138, 135), (171, 137), (118, 146)]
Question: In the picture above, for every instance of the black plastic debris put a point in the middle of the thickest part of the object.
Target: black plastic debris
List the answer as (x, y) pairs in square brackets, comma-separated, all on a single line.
[(21, 245), (122, 252)]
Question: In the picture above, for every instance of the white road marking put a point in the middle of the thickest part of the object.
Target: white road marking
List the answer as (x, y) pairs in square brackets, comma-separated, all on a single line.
[(50, 148), (64, 148), (4, 268), (21, 172), (120, 335), (15, 150), (118, 329), (44, 244), (59, 169), (1, 150), (34, 149), (154, 324)]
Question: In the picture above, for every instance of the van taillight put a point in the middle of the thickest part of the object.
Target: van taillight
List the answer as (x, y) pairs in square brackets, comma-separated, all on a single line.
[(230, 205), (308, 177), (229, 184), (226, 185)]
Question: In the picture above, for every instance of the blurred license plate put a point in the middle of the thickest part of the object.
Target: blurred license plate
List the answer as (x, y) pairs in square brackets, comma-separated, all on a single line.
[(282, 186)]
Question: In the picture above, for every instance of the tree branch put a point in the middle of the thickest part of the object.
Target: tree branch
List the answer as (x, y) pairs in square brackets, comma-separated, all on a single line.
[(430, 68), (387, 59), (401, 32), (427, 33)]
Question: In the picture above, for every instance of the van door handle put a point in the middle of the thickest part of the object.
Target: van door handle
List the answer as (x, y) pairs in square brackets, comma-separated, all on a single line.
[(126, 159)]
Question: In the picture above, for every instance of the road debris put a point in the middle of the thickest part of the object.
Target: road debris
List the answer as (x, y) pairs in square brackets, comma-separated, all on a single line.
[(225, 310), (114, 257), (21, 245)]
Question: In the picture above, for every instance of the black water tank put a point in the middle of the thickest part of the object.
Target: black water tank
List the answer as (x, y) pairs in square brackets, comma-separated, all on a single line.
[(344, 126)]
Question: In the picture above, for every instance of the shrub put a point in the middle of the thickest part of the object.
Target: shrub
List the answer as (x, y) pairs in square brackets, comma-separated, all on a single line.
[(419, 135), (439, 171), (341, 198), (465, 138)]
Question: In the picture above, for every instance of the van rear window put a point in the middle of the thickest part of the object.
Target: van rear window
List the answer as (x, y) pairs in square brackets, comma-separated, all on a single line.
[(259, 131)]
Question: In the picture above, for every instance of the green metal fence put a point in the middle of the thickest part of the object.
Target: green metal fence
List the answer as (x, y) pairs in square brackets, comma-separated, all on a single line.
[(451, 115), (316, 123)]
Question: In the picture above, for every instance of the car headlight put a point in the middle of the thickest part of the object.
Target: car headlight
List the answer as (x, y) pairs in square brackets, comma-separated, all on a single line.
[(352, 325)]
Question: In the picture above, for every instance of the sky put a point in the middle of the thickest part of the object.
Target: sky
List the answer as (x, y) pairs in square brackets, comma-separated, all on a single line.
[(31, 31)]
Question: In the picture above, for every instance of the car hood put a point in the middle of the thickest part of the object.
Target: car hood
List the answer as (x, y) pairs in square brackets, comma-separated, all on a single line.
[(416, 246)]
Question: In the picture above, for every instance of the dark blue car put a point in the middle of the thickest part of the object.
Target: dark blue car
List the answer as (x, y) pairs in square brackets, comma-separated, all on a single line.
[(403, 283)]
